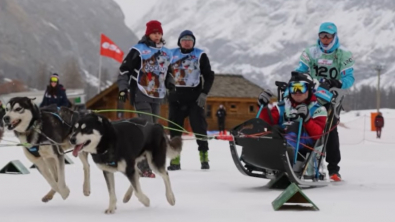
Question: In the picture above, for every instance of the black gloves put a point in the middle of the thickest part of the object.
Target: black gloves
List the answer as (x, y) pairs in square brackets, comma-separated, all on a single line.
[(123, 95), (330, 83)]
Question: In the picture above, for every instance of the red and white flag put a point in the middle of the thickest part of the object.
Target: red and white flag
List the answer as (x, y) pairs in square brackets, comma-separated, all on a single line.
[(109, 49)]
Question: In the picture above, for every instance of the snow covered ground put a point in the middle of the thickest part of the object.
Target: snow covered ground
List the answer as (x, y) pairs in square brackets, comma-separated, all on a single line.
[(222, 193)]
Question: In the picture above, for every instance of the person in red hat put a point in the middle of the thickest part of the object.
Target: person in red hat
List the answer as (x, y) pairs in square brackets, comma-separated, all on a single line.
[(55, 93), (144, 77)]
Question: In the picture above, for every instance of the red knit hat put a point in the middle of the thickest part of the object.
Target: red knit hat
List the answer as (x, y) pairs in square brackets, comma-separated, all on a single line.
[(152, 27)]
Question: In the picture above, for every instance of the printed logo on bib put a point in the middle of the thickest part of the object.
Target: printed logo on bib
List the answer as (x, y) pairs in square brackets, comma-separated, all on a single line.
[(325, 62), (306, 57), (153, 73), (146, 52), (186, 72)]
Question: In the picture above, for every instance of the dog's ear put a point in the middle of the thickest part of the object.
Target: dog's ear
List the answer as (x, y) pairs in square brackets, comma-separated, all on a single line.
[(108, 127), (34, 98)]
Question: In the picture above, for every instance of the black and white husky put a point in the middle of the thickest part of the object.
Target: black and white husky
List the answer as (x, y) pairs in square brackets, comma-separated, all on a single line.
[(46, 130), (118, 146)]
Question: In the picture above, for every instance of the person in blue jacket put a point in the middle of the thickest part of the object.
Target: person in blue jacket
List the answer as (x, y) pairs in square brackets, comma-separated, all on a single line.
[(333, 66), (55, 93)]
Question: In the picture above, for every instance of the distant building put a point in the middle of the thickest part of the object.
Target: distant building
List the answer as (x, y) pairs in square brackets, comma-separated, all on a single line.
[(237, 94)]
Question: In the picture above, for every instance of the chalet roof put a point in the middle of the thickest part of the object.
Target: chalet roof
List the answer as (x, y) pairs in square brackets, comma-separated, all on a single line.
[(235, 86), (225, 85)]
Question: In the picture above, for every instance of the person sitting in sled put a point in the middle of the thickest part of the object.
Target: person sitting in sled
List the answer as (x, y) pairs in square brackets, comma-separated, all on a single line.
[(299, 101)]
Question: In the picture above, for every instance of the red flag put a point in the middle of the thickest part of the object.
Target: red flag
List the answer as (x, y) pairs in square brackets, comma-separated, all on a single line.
[(109, 49)]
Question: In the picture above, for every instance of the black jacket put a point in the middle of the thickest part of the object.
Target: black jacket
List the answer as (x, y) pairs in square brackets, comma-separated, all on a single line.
[(60, 98), (221, 113)]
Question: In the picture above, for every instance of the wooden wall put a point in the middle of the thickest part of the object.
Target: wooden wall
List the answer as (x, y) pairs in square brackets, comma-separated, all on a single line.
[(238, 110)]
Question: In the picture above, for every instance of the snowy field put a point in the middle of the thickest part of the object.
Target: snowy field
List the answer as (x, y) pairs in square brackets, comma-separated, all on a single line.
[(220, 194)]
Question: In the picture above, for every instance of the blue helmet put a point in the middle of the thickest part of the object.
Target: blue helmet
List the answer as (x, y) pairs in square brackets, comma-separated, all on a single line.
[(328, 27)]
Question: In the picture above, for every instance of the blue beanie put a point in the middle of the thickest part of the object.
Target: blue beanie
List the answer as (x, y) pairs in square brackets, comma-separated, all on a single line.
[(185, 33)]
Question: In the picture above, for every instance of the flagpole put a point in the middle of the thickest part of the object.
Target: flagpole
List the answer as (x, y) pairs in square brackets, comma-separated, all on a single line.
[(98, 88)]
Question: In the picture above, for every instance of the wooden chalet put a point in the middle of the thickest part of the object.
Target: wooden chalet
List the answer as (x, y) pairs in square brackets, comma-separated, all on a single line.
[(234, 92)]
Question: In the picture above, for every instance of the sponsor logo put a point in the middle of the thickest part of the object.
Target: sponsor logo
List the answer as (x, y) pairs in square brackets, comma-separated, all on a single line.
[(326, 62), (145, 52), (111, 47), (324, 94), (348, 61), (304, 55)]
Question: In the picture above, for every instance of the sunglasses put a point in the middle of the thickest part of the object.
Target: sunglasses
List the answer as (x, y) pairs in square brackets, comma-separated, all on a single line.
[(54, 79), (326, 35), (298, 87)]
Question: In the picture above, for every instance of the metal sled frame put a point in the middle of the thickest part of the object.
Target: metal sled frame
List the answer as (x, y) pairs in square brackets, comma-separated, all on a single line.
[(269, 155)]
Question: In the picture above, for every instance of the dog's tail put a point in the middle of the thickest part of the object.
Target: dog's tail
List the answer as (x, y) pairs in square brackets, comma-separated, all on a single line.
[(174, 147)]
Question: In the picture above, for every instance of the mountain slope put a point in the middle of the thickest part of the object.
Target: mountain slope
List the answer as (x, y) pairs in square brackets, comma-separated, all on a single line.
[(263, 39), (49, 33)]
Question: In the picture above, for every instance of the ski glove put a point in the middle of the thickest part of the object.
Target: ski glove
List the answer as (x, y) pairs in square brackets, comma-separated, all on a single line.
[(264, 97), (123, 95), (201, 100), (303, 112), (330, 83)]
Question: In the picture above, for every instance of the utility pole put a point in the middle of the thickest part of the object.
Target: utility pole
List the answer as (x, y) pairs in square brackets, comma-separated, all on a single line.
[(378, 68)]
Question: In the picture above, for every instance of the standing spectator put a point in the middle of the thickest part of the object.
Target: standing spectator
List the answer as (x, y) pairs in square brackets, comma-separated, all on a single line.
[(379, 124), (221, 114), (55, 93), (145, 72), (193, 79)]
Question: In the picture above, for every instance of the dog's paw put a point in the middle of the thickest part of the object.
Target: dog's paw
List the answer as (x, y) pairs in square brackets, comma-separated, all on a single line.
[(145, 200), (87, 192), (110, 211), (128, 195), (126, 198), (47, 198), (65, 193), (86, 189), (170, 198)]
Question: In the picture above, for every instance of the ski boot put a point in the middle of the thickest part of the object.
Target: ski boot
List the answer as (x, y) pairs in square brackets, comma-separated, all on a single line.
[(335, 177), (204, 160), (174, 164)]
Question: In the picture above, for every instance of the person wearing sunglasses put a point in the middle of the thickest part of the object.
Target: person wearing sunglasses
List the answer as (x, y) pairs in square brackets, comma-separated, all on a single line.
[(55, 93), (299, 102), (332, 64)]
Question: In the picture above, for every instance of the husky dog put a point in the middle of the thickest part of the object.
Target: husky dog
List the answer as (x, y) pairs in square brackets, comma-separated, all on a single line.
[(46, 131), (119, 146)]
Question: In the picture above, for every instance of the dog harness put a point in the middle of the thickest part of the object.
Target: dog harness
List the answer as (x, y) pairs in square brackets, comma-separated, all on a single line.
[(105, 158), (34, 151)]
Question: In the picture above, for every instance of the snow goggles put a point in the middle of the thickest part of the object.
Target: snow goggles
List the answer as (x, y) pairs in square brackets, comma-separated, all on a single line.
[(327, 35), (54, 79), (298, 87)]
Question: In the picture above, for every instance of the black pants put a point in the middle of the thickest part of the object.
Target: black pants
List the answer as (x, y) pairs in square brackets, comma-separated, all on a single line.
[(333, 149), (147, 107), (221, 124), (378, 131), (197, 118)]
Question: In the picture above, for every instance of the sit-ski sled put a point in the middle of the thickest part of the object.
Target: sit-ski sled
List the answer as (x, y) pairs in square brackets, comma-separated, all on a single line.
[(264, 149)]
